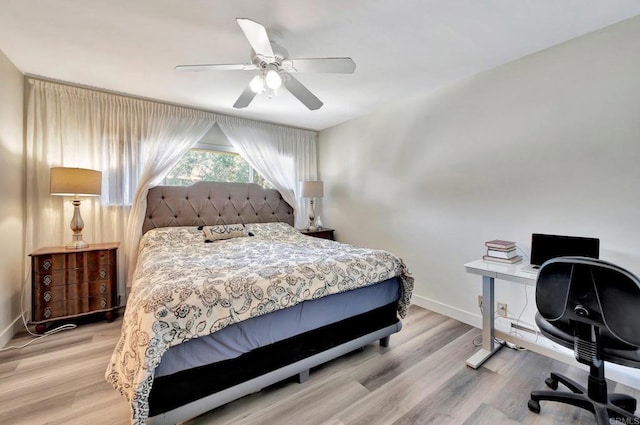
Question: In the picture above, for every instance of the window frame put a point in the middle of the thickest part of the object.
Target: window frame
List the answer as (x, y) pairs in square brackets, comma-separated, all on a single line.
[(217, 148)]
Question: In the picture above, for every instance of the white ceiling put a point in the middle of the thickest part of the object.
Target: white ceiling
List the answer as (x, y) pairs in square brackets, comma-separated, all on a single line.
[(401, 47)]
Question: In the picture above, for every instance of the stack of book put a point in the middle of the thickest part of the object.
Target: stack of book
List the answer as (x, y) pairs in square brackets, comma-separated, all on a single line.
[(502, 252)]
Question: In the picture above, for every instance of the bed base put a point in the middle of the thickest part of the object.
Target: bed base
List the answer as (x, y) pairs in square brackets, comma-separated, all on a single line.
[(300, 368)]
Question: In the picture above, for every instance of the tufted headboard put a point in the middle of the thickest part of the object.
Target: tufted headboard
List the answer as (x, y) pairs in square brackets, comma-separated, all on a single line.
[(210, 203)]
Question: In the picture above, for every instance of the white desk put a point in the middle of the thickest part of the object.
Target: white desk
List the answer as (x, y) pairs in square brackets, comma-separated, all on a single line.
[(489, 272)]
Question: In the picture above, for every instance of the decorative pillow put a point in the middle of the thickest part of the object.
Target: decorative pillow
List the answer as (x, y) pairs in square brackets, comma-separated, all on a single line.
[(224, 231)]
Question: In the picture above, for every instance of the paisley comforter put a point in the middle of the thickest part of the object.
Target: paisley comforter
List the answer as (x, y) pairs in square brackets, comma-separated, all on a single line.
[(184, 288)]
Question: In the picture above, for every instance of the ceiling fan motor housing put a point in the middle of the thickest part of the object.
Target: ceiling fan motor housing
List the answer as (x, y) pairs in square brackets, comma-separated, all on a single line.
[(279, 52)]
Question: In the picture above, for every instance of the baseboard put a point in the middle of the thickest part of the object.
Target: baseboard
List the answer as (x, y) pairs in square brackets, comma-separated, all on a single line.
[(10, 331), (463, 316)]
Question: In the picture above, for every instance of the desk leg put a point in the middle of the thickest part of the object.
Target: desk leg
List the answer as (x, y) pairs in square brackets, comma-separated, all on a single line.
[(488, 346)]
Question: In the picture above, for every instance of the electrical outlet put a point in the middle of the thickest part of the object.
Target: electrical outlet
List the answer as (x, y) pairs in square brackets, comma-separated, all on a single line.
[(502, 310), (480, 301)]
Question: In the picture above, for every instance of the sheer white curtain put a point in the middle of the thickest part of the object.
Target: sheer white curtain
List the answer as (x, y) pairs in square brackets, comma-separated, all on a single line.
[(131, 141), (65, 128), (283, 155), (167, 138)]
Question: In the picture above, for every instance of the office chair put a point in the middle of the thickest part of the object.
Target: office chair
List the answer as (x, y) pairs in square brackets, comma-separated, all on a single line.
[(590, 306)]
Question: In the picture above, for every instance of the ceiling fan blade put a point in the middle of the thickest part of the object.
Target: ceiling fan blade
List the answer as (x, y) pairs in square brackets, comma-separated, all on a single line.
[(302, 93), (247, 95), (326, 65), (217, 67), (258, 39)]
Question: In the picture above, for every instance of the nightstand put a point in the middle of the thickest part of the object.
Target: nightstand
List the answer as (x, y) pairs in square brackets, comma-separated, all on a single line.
[(69, 283), (323, 233)]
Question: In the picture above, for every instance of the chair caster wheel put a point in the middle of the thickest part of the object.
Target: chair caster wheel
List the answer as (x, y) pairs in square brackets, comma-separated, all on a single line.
[(629, 406), (551, 383), (534, 406)]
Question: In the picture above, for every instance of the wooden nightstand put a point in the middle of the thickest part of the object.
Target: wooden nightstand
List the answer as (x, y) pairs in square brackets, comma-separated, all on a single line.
[(323, 233), (73, 282)]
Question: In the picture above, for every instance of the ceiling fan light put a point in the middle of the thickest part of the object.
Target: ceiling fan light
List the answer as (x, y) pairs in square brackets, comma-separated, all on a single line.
[(257, 84), (273, 79)]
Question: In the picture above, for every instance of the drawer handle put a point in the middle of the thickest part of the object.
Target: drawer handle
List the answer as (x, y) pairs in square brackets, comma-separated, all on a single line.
[(103, 273), (47, 280), (103, 288), (47, 313), (46, 265), (103, 303), (47, 296)]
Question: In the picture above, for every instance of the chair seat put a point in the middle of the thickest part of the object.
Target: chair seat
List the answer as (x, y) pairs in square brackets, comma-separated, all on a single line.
[(626, 356)]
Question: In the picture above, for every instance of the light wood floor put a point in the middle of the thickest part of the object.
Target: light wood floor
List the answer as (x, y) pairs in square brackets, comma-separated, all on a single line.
[(420, 379)]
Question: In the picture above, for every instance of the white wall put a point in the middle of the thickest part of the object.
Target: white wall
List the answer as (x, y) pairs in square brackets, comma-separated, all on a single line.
[(549, 143), (11, 195)]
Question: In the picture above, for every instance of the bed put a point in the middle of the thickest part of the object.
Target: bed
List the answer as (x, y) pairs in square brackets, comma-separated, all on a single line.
[(228, 298)]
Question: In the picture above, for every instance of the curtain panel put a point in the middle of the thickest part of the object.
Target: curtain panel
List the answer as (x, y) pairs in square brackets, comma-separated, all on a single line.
[(135, 143), (284, 156)]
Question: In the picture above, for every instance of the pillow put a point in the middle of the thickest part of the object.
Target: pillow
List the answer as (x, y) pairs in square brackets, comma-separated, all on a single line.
[(224, 231), (272, 229)]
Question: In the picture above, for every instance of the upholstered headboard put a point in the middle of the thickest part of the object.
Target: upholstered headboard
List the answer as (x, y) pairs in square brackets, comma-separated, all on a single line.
[(210, 203)]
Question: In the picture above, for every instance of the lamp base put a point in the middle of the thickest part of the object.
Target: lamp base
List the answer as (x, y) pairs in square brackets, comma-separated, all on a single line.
[(77, 244), (77, 225), (312, 220)]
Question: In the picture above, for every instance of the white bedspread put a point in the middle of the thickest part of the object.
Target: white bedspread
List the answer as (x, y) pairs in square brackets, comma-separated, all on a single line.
[(184, 288)]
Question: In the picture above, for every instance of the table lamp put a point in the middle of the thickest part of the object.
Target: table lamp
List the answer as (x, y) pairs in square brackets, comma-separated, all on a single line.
[(75, 182), (312, 189)]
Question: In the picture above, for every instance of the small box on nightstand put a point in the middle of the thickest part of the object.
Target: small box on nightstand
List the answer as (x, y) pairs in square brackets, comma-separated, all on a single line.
[(323, 233)]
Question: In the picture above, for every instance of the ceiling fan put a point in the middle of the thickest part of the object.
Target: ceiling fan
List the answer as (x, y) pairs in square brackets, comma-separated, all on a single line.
[(275, 68)]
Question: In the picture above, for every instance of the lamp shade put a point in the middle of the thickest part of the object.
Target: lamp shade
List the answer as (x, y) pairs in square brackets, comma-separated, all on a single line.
[(66, 181), (311, 189)]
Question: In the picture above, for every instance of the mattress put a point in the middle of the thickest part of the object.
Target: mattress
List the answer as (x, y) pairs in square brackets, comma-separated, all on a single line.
[(243, 337)]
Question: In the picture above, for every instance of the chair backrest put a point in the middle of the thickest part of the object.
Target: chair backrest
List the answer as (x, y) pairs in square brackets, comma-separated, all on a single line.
[(593, 292)]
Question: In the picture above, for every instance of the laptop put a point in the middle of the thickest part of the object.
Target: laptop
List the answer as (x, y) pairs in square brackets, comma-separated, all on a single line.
[(544, 247)]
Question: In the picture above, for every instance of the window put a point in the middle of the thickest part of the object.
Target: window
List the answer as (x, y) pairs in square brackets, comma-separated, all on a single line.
[(213, 165)]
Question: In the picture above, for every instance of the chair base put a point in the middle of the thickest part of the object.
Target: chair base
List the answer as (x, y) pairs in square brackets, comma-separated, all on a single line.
[(619, 406)]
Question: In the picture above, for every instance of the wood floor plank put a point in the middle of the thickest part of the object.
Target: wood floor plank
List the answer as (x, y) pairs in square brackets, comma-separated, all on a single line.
[(451, 403), (246, 406), (421, 378), (524, 373), (34, 412), (312, 405), (417, 322), (333, 421), (100, 408), (8, 368), (395, 398), (386, 367), (487, 415), (59, 379)]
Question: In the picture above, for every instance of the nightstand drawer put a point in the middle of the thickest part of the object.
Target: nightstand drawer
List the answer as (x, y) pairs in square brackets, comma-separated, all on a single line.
[(84, 260), (57, 293), (73, 276), (75, 307)]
